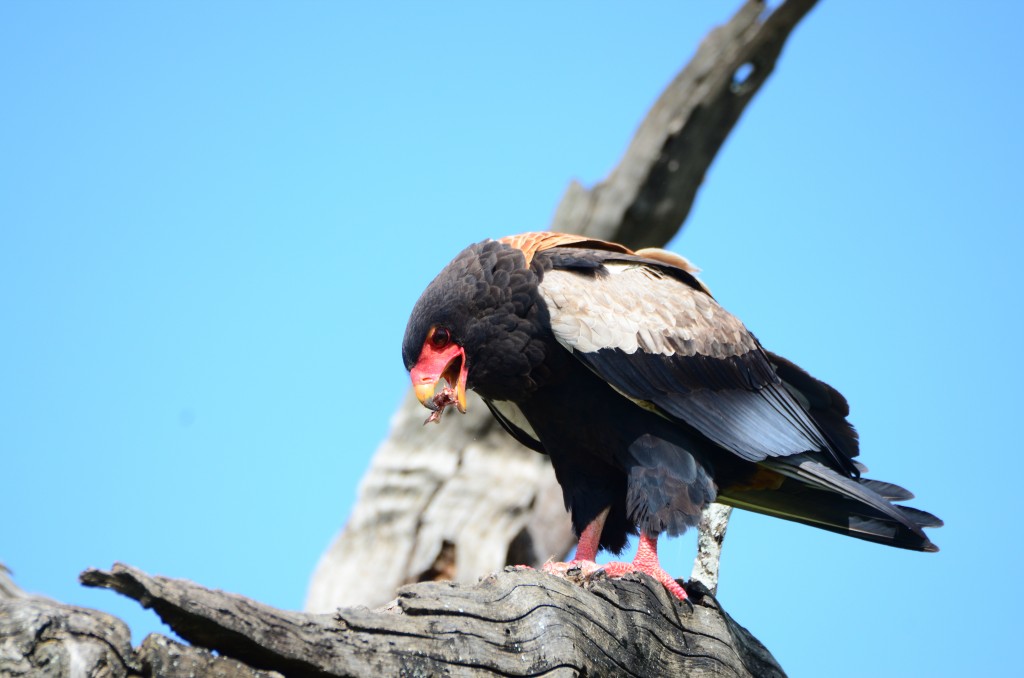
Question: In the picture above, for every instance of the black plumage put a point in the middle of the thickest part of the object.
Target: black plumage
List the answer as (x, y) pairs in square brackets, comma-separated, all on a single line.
[(651, 399)]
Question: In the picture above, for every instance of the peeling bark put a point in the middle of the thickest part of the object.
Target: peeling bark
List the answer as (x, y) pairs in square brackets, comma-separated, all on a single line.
[(714, 520)]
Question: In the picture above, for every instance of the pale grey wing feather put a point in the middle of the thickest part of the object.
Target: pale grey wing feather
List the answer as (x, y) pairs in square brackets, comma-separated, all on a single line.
[(664, 343)]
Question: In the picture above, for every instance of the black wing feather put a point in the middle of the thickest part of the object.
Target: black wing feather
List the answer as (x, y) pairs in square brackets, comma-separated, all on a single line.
[(666, 344), (736, 402), (519, 434)]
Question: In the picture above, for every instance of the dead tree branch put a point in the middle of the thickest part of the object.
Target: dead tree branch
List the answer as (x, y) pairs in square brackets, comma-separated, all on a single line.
[(515, 623)]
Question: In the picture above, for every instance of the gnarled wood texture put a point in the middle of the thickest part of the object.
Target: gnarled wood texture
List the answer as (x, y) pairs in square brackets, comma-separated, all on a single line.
[(512, 623)]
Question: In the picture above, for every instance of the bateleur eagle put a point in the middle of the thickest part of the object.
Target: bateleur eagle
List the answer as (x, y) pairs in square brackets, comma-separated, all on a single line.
[(650, 398)]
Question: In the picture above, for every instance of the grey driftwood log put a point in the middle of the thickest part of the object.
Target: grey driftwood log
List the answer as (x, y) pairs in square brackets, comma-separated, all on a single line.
[(462, 505), (459, 505)]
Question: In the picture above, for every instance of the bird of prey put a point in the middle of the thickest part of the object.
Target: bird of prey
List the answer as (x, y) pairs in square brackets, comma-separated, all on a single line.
[(650, 399)]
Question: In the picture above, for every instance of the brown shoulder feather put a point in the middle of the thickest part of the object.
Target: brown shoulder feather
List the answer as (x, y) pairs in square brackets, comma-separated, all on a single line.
[(538, 241)]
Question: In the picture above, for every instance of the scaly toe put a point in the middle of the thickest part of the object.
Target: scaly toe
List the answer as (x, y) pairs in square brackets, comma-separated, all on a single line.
[(585, 568), (618, 569)]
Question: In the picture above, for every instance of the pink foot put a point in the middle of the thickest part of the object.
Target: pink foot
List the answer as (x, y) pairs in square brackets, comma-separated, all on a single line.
[(586, 551), (585, 567), (618, 569), (646, 561)]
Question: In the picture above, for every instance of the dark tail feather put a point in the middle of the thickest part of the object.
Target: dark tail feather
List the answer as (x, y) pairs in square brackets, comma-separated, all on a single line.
[(922, 518), (812, 494), (889, 491)]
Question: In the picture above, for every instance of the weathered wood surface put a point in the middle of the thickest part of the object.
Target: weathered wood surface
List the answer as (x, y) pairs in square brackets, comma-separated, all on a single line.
[(511, 623), (439, 503), (714, 520), (41, 637)]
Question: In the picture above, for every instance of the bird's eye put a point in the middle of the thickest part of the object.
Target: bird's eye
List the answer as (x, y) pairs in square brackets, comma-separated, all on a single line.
[(440, 337)]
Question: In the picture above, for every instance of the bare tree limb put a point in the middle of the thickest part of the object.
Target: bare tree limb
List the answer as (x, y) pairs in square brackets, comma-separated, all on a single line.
[(646, 198), (714, 520), (514, 623)]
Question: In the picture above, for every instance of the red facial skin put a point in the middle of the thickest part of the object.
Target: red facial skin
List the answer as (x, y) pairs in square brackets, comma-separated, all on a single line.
[(440, 358)]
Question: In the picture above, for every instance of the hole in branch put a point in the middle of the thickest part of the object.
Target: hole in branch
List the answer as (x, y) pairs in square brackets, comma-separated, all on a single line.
[(741, 78)]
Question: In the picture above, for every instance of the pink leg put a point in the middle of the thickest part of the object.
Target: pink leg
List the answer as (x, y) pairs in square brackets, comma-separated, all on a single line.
[(586, 549), (646, 561)]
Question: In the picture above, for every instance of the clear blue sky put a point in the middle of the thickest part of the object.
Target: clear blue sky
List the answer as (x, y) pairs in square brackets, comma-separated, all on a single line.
[(215, 218)]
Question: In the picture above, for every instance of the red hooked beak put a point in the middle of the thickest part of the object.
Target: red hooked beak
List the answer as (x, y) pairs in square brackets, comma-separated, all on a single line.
[(436, 364)]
